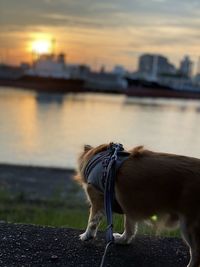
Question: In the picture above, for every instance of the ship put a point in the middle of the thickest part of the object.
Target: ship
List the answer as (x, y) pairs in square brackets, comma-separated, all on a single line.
[(46, 84), (50, 73), (142, 88)]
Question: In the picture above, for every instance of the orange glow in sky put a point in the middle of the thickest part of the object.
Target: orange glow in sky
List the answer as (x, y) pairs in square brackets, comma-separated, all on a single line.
[(99, 33), (41, 46)]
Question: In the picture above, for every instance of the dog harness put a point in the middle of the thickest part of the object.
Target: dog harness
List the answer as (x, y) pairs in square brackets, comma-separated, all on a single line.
[(101, 172), (98, 169)]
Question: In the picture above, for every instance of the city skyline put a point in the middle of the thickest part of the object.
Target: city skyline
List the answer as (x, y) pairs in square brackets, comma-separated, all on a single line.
[(101, 33)]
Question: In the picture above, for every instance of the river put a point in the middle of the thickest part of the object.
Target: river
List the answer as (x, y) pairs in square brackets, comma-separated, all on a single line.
[(46, 130)]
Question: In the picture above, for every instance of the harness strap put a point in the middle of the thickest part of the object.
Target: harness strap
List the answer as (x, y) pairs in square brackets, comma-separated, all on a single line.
[(110, 172), (109, 189), (101, 172), (94, 162)]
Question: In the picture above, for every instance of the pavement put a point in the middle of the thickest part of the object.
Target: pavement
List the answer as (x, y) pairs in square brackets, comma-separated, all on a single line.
[(29, 245)]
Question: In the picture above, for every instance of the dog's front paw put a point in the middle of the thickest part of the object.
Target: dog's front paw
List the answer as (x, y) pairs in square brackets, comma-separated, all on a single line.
[(121, 239), (85, 237)]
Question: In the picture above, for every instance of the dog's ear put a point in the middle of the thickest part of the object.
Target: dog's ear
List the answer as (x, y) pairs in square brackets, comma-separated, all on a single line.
[(137, 151), (87, 148)]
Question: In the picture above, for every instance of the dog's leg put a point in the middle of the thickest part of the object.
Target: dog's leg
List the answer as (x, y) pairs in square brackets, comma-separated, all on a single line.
[(191, 234), (96, 213), (93, 223), (130, 229)]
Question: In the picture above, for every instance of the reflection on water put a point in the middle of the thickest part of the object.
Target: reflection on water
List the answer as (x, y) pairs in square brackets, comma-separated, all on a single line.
[(51, 129), (44, 98)]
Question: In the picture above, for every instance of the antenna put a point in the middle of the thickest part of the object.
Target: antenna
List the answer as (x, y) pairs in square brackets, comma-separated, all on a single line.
[(53, 45)]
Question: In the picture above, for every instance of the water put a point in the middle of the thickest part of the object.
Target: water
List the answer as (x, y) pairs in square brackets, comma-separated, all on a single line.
[(51, 130)]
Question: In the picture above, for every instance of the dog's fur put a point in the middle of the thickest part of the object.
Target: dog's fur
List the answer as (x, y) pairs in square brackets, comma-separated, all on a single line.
[(150, 183)]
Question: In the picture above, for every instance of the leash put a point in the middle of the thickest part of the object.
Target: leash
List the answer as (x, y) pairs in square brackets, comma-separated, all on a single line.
[(109, 174), (103, 260)]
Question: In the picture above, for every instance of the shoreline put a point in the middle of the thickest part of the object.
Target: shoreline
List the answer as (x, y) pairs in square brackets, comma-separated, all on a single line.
[(61, 86), (32, 166), (37, 182)]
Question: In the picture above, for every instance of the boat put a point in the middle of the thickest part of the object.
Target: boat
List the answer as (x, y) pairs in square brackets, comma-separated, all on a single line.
[(140, 88), (45, 84)]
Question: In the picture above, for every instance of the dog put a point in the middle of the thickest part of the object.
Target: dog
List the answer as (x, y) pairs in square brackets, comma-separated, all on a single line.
[(148, 183)]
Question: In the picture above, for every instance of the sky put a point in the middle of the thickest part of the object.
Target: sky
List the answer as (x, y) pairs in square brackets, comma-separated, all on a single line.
[(106, 32)]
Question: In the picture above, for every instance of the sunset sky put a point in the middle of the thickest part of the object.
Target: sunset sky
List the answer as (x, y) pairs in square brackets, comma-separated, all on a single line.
[(106, 32)]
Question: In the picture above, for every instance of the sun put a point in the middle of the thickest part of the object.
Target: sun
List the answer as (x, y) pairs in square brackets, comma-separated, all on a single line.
[(41, 46)]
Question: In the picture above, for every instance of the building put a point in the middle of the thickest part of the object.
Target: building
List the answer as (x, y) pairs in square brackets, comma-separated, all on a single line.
[(54, 66), (196, 79), (119, 70), (49, 66), (104, 81), (77, 71), (153, 65), (186, 67)]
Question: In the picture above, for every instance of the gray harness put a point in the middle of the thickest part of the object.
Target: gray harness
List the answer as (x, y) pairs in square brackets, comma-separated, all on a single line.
[(95, 172)]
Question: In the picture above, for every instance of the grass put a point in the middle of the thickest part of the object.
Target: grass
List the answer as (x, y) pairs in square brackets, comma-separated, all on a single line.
[(57, 213)]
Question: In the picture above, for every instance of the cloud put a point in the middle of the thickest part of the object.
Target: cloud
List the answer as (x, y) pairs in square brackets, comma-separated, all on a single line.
[(124, 27), (94, 14)]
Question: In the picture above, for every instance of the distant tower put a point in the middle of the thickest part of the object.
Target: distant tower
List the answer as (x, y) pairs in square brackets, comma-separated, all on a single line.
[(186, 67), (61, 58), (53, 46), (35, 57)]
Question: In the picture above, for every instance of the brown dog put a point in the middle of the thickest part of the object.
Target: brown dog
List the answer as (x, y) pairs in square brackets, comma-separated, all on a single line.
[(149, 183)]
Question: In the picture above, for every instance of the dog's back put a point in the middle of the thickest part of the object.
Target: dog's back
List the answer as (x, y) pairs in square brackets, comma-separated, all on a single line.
[(149, 183)]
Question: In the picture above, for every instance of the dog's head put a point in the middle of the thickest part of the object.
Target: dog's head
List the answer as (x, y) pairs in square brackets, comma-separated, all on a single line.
[(87, 153)]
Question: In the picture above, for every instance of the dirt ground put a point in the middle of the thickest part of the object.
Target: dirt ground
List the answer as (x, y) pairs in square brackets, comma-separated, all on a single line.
[(29, 245)]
